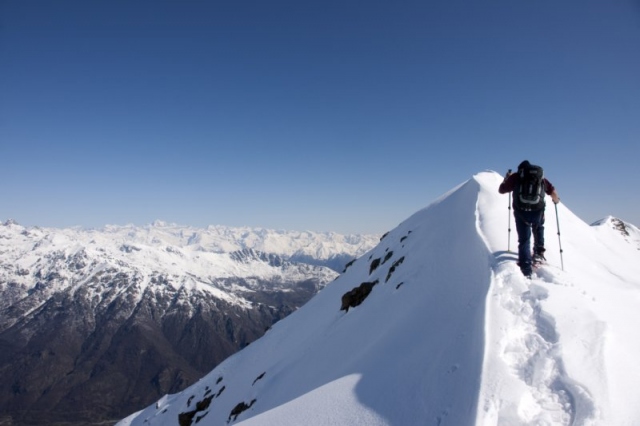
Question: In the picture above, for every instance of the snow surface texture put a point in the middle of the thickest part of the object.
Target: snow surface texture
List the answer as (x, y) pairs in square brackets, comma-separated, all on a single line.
[(451, 334)]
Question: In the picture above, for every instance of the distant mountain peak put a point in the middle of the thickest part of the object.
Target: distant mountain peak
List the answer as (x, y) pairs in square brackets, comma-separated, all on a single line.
[(10, 222)]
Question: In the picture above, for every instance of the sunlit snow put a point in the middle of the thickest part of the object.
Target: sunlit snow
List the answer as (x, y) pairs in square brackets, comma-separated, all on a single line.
[(454, 335)]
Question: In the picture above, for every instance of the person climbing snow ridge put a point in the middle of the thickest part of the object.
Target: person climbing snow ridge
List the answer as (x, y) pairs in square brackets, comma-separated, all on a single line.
[(529, 187)]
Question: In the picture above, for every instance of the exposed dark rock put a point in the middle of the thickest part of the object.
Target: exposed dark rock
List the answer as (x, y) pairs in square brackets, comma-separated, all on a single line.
[(356, 296), (393, 267), (348, 265), (374, 264), (620, 226), (128, 248), (22, 272), (248, 255), (258, 378), (201, 417), (239, 409), (185, 419), (387, 257)]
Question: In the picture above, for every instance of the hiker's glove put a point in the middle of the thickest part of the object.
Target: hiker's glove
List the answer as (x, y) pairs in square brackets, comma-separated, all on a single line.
[(555, 198)]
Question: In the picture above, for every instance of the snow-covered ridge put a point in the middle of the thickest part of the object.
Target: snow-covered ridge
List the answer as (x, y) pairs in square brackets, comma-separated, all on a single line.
[(451, 333), (629, 232)]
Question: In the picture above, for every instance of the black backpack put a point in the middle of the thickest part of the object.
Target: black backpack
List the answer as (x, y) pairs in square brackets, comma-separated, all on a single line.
[(529, 192)]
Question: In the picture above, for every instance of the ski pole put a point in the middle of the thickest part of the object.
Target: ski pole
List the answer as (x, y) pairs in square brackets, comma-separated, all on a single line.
[(509, 219), (559, 241)]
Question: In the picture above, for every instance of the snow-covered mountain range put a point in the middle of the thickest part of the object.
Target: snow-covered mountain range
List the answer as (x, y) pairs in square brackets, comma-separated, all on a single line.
[(437, 326), (197, 256), (97, 323)]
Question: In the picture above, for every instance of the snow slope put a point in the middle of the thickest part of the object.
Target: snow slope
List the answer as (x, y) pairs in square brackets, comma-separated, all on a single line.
[(451, 334), (563, 349)]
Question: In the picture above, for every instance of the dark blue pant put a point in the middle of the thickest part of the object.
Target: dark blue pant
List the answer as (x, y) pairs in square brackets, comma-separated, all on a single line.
[(527, 223)]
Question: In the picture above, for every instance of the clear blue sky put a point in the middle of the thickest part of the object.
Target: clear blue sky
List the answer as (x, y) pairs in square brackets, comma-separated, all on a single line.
[(310, 115)]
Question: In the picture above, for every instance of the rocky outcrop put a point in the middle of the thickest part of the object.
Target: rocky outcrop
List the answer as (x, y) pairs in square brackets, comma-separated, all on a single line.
[(356, 296)]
